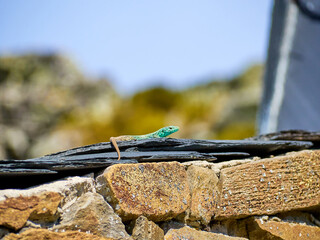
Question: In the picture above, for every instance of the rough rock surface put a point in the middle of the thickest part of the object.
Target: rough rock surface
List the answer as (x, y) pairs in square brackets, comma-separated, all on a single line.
[(272, 198), (91, 213), (70, 188), (34, 234), (204, 195), (193, 234), (216, 167), (14, 212), (146, 230), (159, 191), (270, 186), (259, 228), (40, 204)]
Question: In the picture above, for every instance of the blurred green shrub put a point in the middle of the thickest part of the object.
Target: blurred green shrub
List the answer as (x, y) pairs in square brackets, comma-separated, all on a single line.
[(47, 105)]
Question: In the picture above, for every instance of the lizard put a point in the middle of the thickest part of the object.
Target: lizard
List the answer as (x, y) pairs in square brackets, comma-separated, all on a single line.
[(162, 132)]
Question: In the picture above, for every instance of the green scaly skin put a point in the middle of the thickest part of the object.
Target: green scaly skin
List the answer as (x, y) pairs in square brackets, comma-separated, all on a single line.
[(162, 132)]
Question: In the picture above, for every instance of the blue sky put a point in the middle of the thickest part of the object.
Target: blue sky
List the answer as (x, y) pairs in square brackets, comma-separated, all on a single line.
[(137, 44)]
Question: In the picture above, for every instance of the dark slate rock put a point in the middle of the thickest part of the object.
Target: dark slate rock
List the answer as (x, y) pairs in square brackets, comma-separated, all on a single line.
[(53, 165), (290, 135), (24, 171), (94, 158), (137, 155), (257, 147)]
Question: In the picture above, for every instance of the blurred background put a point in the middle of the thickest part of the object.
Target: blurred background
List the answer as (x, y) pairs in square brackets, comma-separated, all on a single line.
[(78, 72)]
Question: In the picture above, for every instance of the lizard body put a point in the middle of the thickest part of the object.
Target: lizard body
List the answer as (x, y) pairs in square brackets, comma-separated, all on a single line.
[(162, 132)]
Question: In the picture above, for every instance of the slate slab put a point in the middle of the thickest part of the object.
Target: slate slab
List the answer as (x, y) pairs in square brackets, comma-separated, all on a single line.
[(163, 149), (291, 135), (209, 146), (92, 158)]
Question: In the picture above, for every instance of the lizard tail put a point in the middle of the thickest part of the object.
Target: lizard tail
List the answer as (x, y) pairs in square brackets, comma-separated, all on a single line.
[(114, 143)]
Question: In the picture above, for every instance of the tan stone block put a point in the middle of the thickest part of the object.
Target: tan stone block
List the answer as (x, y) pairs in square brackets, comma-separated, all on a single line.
[(146, 230), (216, 167), (203, 186), (14, 212), (193, 234), (40, 204), (39, 234), (47, 207), (270, 186), (70, 189), (91, 213), (158, 191), (260, 229)]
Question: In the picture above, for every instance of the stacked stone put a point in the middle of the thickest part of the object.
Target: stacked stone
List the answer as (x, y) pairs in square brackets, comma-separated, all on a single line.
[(271, 198)]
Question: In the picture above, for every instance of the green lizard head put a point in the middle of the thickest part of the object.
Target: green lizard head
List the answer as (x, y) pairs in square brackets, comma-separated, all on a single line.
[(166, 131)]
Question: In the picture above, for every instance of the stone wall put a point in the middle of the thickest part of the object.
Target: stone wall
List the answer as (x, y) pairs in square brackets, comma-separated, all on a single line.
[(269, 198)]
